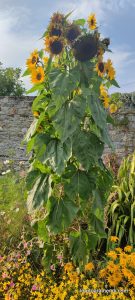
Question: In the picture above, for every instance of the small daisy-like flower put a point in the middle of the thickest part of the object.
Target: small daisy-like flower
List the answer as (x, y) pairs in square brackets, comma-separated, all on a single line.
[(68, 267), (100, 68), (109, 70), (89, 266), (92, 22), (114, 239), (37, 75), (32, 61), (128, 248), (54, 45), (112, 255)]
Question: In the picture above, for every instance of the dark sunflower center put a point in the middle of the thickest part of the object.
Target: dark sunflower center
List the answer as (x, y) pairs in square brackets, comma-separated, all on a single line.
[(92, 22), (56, 47), (85, 48), (56, 32), (72, 34), (101, 67), (39, 76), (34, 59)]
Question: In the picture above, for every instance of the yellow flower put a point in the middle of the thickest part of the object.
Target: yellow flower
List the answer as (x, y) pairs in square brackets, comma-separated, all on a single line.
[(92, 22), (100, 54), (103, 91), (89, 266), (118, 249), (32, 61), (36, 114), (128, 248), (37, 75), (113, 108), (109, 69), (106, 102), (54, 44), (114, 239), (45, 59), (100, 68), (102, 273), (127, 273), (112, 255), (114, 279), (68, 267)]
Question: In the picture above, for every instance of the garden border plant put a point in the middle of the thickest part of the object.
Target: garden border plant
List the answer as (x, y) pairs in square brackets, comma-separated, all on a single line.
[(68, 183)]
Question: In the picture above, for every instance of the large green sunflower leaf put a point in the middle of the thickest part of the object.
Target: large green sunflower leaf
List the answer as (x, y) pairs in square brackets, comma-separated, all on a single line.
[(40, 192), (69, 117), (56, 155), (63, 82), (81, 183), (87, 148), (61, 214)]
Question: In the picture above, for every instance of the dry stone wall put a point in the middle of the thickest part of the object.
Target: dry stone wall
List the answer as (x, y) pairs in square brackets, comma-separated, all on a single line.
[(16, 117)]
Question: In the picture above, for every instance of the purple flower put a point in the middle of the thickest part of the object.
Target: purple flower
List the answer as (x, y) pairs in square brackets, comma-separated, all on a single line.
[(60, 257), (34, 287), (52, 267), (12, 284)]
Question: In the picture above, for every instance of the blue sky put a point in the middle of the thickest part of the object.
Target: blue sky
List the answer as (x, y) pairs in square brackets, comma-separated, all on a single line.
[(23, 22)]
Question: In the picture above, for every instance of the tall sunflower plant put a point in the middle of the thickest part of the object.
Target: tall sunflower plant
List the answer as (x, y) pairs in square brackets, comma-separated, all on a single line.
[(67, 181)]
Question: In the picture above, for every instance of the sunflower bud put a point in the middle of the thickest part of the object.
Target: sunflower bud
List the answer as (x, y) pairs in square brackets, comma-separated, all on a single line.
[(106, 42)]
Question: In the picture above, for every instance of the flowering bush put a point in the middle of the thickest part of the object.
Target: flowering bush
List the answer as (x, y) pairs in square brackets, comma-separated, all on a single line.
[(114, 278)]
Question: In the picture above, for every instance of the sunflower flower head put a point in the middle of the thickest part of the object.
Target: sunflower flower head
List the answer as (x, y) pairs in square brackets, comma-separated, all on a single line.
[(92, 22), (110, 71), (72, 32), (85, 48), (54, 45), (56, 25), (100, 68), (32, 60), (37, 75)]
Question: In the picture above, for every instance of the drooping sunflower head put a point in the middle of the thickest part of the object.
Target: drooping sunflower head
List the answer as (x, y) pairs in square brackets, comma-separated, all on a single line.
[(85, 47), (32, 60), (72, 32), (92, 22), (37, 75), (54, 45)]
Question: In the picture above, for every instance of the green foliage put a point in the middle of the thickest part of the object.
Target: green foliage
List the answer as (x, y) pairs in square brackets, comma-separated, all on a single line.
[(10, 83), (121, 211), (13, 212)]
